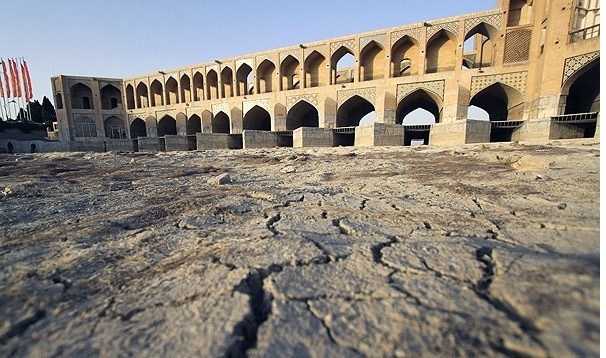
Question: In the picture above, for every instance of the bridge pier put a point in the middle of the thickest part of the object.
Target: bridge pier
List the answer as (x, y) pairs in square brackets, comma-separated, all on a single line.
[(379, 134), (305, 137)]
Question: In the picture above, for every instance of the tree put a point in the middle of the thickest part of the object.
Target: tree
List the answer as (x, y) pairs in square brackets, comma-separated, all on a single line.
[(48, 111), (35, 110), (22, 116)]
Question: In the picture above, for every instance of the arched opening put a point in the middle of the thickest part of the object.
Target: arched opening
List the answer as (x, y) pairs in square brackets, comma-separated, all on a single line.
[(130, 97), (212, 85), (302, 114), (198, 87), (111, 97), (441, 52), (10, 148), (156, 94), (315, 73), (502, 103), (114, 128), (342, 65), (265, 77), (477, 114), (289, 70), (138, 128), (142, 96), (167, 126), (59, 101), (220, 123), (245, 82), (81, 96), (85, 127), (583, 90), (404, 57), (185, 89), (194, 125), (418, 111), (227, 79), (372, 62), (33, 148), (478, 49), (172, 90), (352, 111), (520, 13), (257, 118)]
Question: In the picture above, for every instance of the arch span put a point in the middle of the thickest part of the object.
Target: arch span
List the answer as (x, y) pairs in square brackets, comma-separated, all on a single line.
[(220, 123), (302, 114), (352, 111), (167, 126), (582, 90), (419, 99), (257, 118), (138, 128), (500, 101), (81, 96)]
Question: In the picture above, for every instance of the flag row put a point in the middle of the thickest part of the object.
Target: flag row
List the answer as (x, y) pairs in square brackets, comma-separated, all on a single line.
[(16, 82)]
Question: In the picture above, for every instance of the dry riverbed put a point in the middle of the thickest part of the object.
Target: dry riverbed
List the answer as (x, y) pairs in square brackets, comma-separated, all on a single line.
[(481, 250)]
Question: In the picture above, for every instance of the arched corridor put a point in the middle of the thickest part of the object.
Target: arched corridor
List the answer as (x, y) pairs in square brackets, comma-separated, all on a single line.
[(419, 99), (405, 57), (372, 62)]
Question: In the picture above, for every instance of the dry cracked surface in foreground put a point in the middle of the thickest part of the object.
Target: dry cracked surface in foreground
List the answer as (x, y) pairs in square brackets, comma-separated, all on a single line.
[(483, 250)]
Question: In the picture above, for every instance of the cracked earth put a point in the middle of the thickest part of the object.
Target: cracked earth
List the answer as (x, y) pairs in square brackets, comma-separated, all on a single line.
[(480, 250)]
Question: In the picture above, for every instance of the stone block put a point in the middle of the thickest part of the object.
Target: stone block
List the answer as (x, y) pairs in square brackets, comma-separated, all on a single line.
[(305, 137), (176, 143), (148, 144), (259, 139), (379, 134)]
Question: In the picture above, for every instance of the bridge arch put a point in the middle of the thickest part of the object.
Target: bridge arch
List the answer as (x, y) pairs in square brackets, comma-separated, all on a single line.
[(114, 128), (227, 80), (352, 111), (130, 97), (419, 101), (85, 126), (257, 118), (405, 57), (142, 95), (245, 84), (111, 97), (194, 125), (220, 123), (479, 48), (167, 126), (372, 62), (156, 94), (172, 90), (185, 89), (315, 70), (265, 77), (441, 52), (289, 73), (198, 86), (339, 73), (81, 96), (581, 92), (212, 85), (502, 102), (137, 128), (302, 114)]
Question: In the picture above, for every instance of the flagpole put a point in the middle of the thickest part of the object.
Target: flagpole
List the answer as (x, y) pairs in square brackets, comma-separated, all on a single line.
[(7, 103)]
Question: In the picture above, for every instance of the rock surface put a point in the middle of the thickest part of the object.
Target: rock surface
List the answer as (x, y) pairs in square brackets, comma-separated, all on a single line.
[(481, 250)]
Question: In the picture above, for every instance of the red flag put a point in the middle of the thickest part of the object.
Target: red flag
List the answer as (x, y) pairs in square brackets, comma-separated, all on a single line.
[(16, 80), (1, 88), (26, 78), (6, 79)]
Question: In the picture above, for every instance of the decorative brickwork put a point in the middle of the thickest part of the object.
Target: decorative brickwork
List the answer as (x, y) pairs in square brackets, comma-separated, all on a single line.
[(248, 61), (160, 114), (452, 27), (414, 33), (494, 20), (293, 53), (369, 94), (260, 60), (263, 103), (380, 39), (212, 67), (405, 89), (193, 110), (220, 107), (312, 98), (320, 49), (106, 116), (573, 64), (133, 116), (517, 46), (350, 44), (517, 80)]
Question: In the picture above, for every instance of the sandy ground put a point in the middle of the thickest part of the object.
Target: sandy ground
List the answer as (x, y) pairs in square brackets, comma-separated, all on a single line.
[(482, 250)]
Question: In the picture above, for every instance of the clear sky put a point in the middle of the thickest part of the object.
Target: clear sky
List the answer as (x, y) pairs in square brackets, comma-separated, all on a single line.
[(124, 38)]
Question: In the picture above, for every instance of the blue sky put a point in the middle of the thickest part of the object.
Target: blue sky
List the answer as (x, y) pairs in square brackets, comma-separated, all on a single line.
[(111, 38)]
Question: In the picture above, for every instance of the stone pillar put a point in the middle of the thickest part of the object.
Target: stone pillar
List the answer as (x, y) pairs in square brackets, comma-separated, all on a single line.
[(305, 137)]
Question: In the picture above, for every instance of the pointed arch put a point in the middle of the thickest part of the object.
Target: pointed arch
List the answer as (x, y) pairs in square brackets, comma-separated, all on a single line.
[(130, 97), (341, 74), (441, 52), (257, 118), (352, 111), (114, 128), (582, 90), (198, 86), (419, 99), (157, 99), (372, 62), (479, 48), (185, 89), (405, 57), (59, 101), (138, 128), (244, 85), (289, 73), (265, 77), (315, 70), (167, 126), (227, 80), (502, 102), (172, 90), (302, 114), (111, 97), (212, 85), (194, 125), (142, 95), (220, 123), (520, 13), (85, 127), (81, 96)]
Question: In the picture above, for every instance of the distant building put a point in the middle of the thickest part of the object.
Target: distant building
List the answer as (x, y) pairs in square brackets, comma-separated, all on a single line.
[(532, 66)]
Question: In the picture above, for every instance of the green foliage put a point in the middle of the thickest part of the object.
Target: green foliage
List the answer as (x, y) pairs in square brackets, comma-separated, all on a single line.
[(35, 110), (48, 111)]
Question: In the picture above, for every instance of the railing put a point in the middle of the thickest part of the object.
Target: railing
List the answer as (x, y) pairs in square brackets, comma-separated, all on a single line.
[(344, 130), (584, 34), (418, 127), (577, 118), (506, 124), (284, 133)]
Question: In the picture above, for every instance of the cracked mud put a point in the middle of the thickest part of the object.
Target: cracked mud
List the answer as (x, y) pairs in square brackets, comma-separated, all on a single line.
[(482, 250)]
